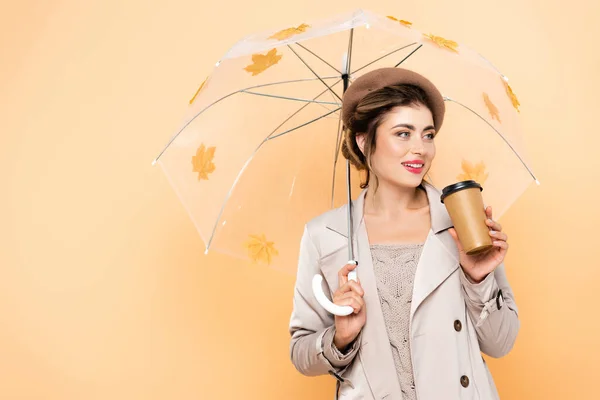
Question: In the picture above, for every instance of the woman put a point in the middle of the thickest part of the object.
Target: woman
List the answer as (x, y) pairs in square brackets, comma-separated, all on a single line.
[(415, 333)]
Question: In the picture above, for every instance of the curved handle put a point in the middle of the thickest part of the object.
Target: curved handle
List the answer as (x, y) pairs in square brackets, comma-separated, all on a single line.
[(324, 301)]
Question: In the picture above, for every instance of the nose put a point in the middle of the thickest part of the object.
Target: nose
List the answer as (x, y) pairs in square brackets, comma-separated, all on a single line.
[(417, 145)]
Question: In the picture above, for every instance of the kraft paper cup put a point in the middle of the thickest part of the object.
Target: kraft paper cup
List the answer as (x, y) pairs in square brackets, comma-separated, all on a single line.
[(464, 203)]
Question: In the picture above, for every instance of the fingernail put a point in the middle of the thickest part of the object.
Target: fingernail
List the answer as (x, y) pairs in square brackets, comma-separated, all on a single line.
[(492, 232)]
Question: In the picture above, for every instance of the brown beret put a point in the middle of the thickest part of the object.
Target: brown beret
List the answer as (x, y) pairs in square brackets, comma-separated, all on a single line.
[(380, 78)]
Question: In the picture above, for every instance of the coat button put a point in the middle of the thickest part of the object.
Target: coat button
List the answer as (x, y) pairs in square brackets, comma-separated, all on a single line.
[(464, 381), (457, 326)]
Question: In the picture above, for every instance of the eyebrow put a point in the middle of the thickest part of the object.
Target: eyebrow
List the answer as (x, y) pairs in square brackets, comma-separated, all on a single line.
[(412, 127)]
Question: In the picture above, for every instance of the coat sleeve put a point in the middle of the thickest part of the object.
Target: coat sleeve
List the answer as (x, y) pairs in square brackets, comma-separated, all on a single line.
[(312, 328), (496, 328)]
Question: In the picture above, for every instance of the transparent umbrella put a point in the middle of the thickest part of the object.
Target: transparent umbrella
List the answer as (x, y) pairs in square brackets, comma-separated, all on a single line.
[(258, 154)]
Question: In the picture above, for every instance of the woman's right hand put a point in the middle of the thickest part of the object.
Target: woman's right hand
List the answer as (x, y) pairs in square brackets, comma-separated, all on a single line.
[(349, 293)]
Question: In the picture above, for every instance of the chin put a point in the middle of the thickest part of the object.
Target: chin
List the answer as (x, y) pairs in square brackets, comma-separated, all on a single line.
[(409, 183), (414, 180)]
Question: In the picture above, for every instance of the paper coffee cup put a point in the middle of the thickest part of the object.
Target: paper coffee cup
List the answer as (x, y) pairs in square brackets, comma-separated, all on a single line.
[(464, 203)]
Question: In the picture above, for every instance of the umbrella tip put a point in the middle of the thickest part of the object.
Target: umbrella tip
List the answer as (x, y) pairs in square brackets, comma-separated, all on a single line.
[(536, 181), (154, 162), (206, 251)]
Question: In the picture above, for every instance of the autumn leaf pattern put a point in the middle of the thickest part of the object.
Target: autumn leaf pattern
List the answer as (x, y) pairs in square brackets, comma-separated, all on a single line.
[(260, 249), (511, 96), (443, 43), (260, 62), (473, 172), (407, 24), (491, 107), (289, 32), (202, 162)]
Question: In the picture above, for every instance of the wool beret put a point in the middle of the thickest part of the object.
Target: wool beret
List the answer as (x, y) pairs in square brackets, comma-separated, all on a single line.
[(380, 78)]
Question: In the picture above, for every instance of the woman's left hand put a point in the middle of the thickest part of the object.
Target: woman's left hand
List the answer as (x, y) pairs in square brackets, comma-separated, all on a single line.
[(478, 266)]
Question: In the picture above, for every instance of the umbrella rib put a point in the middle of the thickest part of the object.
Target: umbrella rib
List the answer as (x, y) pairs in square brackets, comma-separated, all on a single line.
[(499, 134), (229, 95), (384, 56), (290, 98), (350, 46), (302, 125), (300, 109), (319, 57), (241, 172), (411, 53), (316, 75)]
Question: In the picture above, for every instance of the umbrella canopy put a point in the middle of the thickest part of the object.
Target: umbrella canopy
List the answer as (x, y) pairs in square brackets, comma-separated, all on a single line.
[(258, 154)]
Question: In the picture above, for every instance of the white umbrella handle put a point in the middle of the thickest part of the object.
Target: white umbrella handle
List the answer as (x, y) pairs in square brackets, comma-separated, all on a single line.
[(324, 301)]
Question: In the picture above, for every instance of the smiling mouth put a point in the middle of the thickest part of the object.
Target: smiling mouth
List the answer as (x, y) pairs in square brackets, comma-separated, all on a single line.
[(413, 165), (415, 168)]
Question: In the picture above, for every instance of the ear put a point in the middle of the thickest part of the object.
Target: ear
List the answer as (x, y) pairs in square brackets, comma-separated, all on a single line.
[(360, 141)]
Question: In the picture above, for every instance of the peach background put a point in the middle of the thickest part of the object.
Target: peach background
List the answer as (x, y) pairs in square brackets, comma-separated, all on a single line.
[(104, 290)]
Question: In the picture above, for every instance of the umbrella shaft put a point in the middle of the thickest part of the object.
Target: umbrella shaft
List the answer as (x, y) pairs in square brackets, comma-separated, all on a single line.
[(349, 208), (346, 80)]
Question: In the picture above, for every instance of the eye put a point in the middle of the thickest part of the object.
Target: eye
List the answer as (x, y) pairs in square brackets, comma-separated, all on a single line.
[(403, 134), (430, 136)]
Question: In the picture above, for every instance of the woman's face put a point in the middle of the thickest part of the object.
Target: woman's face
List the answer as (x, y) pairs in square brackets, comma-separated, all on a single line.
[(404, 147)]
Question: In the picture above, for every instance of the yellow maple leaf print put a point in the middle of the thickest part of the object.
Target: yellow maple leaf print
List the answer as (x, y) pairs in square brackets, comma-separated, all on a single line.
[(473, 172), (261, 62), (260, 249), (289, 32), (491, 107), (443, 43), (199, 90), (511, 96), (407, 24), (203, 161)]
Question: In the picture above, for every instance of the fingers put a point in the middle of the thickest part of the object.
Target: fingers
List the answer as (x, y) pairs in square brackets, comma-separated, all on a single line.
[(488, 212), (455, 237), (502, 249), (352, 286), (343, 273), (350, 294), (490, 221), (499, 235), (351, 299), (500, 244), (493, 224)]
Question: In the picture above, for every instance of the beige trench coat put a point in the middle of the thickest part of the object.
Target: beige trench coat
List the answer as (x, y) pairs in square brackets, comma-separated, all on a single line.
[(451, 321)]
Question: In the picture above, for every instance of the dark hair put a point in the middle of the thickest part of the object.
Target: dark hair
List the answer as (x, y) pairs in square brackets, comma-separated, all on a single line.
[(369, 114)]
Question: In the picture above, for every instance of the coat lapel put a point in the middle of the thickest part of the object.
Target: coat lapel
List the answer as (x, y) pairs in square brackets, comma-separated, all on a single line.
[(433, 268), (438, 259), (375, 352)]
